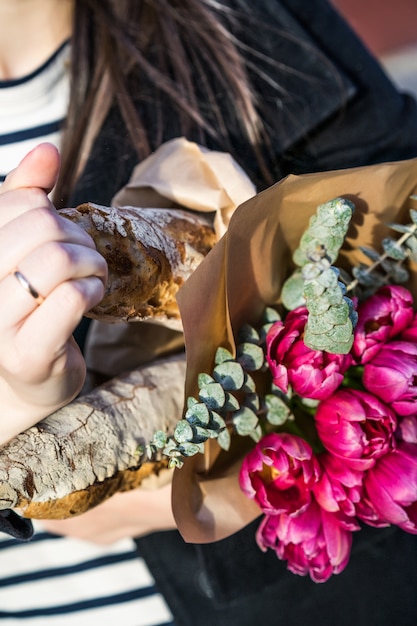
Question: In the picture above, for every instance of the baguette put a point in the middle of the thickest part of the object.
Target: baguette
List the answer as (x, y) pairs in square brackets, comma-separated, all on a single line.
[(150, 253), (83, 453)]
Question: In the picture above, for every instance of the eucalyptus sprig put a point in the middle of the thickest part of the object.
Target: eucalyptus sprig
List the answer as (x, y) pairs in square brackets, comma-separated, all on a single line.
[(316, 283), (388, 267), (228, 401)]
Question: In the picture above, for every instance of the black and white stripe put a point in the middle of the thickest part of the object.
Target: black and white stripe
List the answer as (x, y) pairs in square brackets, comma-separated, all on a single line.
[(57, 581), (33, 109)]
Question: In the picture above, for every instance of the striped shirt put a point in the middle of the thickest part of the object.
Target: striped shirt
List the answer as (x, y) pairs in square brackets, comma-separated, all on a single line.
[(51, 580), (60, 581), (32, 109)]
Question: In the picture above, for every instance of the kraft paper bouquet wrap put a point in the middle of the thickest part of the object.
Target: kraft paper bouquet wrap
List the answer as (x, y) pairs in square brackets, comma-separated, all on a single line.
[(241, 277)]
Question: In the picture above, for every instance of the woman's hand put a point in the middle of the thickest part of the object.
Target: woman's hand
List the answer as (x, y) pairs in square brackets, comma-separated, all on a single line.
[(129, 514), (41, 367)]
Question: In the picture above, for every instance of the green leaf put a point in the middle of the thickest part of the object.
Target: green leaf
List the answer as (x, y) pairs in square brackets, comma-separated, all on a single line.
[(313, 290), (256, 434), (231, 403), (292, 291), (224, 439), (175, 463), (366, 278), (398, 273), (402, 228), (331, 298), (371, 254), (204, 379), (245, 421), (229, 375), (270, 315), (249, 385), (326, 231), (191, 449), (411, 244), (198, 414), (263, 331), (191, 402), (213, 395), (322, 324), (337, 314), (337, 341), (223, 355), (393, 250), (217, 422), (277, 411), (250, 356), (252, 401), (159, 439), (311, 271), (183, 431), (171, 449), (329, 278), (201, 434), (248, 334)]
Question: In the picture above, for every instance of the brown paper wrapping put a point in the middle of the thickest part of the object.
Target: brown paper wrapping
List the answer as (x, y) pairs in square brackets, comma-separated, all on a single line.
[(184, 174), (240, 276)]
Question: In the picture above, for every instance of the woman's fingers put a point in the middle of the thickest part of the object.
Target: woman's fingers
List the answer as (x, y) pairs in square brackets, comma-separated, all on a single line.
[(48, 268), (24, 404), (39, 346), (34, 228), (39, 168), (50, 276), (41, 366)]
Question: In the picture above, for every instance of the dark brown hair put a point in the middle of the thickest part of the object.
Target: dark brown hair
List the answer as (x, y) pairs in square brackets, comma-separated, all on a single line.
[(115, 39)]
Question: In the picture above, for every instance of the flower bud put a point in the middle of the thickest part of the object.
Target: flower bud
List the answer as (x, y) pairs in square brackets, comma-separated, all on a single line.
[(381, 317), (356, 426), (311, 373), (278, 474)]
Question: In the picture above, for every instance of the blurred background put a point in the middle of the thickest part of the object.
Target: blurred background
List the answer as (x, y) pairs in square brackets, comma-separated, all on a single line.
[(389, 29)]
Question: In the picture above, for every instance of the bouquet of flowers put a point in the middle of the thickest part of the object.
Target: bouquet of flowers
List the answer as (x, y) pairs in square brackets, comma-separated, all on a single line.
[(302, 377)]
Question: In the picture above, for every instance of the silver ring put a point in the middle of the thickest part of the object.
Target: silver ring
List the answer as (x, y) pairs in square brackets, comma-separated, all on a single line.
[(23, 281)]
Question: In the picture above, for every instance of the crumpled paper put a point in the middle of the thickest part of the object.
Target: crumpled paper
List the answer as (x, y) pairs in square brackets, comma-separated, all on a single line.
[(243, 274), (186, 175)]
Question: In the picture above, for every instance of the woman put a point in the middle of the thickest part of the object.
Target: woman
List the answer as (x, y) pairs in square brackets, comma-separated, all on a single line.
[(286, 88)]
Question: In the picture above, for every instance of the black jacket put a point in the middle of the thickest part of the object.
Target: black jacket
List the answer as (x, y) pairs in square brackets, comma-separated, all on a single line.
[(337, 109)]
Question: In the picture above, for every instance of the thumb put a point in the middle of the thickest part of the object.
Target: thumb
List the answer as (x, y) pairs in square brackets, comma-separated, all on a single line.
[(39, 168)]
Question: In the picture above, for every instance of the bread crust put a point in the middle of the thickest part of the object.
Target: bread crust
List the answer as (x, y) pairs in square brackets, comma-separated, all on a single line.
[(78, 502), (150, 253), (95, 446)]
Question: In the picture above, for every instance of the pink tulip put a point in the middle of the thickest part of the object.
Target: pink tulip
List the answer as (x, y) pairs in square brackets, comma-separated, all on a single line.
[(380, 318), (278, 474), (391, 489), (392, 376), (311, 373), (313, 543), (407, 429), (410, 333), (356, 427), (339, 487)]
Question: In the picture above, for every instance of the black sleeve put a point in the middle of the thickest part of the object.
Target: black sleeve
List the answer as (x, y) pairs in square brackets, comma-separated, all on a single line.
[(332, 106)]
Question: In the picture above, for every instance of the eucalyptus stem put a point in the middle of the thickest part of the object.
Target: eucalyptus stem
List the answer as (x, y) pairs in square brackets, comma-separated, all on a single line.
[(413, 228)]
